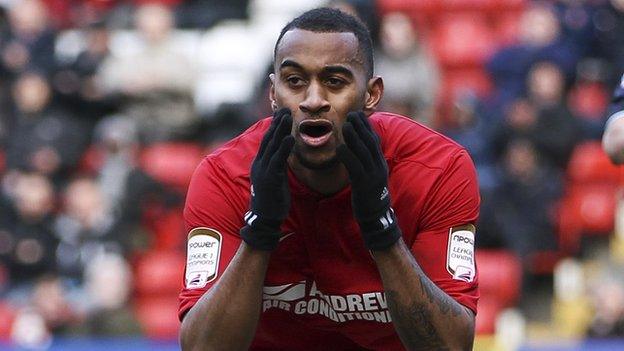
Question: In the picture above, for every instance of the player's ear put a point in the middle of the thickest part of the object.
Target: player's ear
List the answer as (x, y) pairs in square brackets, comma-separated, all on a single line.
[(272, 96), (374, 93)]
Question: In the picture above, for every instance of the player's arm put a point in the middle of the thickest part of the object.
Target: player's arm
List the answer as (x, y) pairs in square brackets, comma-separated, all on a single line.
[(225, 317), (613, 138), (424, 316)]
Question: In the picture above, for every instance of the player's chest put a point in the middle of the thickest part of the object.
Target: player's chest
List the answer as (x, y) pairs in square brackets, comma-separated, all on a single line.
[(321, 269)]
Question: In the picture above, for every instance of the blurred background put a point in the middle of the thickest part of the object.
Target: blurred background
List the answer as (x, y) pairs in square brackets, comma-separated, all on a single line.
[(107, 106)]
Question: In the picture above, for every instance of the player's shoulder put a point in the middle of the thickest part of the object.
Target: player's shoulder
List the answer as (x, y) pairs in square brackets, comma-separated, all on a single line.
[(404, 139), (234, 158)]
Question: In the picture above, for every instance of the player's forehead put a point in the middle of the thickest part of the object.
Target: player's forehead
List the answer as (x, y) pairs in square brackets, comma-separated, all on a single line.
[(317, 49)]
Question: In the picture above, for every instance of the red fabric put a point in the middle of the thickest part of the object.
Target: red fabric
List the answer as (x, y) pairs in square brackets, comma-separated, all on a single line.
[(433, 187)]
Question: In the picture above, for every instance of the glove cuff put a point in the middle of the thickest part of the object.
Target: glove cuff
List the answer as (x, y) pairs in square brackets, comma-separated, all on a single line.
[(260, 233), (382, 232)]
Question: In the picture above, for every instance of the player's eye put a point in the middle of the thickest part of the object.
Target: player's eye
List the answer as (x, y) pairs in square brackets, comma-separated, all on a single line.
[(334, 82), (295, 81)]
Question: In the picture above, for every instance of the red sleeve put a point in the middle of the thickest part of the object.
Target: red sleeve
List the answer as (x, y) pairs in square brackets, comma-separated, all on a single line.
[(444, 245), (214, 202)]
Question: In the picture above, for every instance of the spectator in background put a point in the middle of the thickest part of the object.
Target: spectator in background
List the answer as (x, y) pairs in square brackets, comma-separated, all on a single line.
[(44, 138), (29, 44), (107, 285), (49, 300), (204, 14), (156, 82), (76, 81), (26, 225), (470, 128), (85, 228), (541, 118), (410, 73), (609, 23), (577, 24), (126, 188), (525, 200), (539, 40), (558, 130), (365, 10), (606, 295)]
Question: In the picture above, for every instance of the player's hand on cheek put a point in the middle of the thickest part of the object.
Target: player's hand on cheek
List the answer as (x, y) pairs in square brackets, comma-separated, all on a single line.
[(270, 197), (362, 156)]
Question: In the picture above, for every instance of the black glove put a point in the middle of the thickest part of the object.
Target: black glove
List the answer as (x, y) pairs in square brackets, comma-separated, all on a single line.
[(368, 172), (270, 197)]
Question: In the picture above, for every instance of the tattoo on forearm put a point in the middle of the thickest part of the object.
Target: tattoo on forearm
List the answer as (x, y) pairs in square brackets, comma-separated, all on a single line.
[(437, 297), (414, 324)]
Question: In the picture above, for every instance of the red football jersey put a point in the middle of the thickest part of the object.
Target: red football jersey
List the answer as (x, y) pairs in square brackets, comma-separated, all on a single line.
[(322, 290)]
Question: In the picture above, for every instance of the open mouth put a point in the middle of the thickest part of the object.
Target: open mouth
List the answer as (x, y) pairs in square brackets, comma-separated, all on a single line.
[(315, 132)]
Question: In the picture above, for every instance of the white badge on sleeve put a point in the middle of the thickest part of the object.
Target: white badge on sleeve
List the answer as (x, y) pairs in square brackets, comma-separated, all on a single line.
[(202, 257), (460, 258)]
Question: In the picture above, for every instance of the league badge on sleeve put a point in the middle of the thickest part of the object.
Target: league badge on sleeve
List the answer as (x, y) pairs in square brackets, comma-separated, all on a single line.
[(460, 258), (202, 257)]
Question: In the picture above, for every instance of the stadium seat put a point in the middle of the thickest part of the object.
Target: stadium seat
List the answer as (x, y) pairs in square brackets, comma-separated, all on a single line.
[(467, 5), (461, 40), (500, 276), (481, 5), (588, 209), (158, 317), (543, 262), (410, 6), (589, 100), (2, 161), (91, 161), (172, 163), (486, 318), (167, 228), (474, 80), (507, 27), (589, 164), (7, 316), (159, 273)]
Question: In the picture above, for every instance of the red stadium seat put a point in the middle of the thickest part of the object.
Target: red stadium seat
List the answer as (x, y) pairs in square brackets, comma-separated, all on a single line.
[(500, 275), (467, 5), (502, 5), (586, 209), (168, 230), (92, 160), (589, 208), (481, 5), (543, 262), (475, 80), (7, 316), (159, 273), (409, 6), (589, 100), (2, 161), (486, 318), (589, 164), (507, 27), (158, 317), (461, 40), (172, 163)]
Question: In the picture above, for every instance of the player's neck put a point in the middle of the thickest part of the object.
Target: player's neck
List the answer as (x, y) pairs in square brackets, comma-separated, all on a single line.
[(324, 181)]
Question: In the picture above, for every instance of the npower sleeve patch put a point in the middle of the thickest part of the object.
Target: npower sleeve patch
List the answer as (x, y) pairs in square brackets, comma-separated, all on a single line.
[(460, 258), (202, 257)]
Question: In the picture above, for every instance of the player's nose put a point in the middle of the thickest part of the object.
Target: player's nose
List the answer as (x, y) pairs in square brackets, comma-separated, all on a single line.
[(315, 100)]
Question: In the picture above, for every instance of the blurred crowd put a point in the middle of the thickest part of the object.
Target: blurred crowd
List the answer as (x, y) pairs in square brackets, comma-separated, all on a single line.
[(88, 85)]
